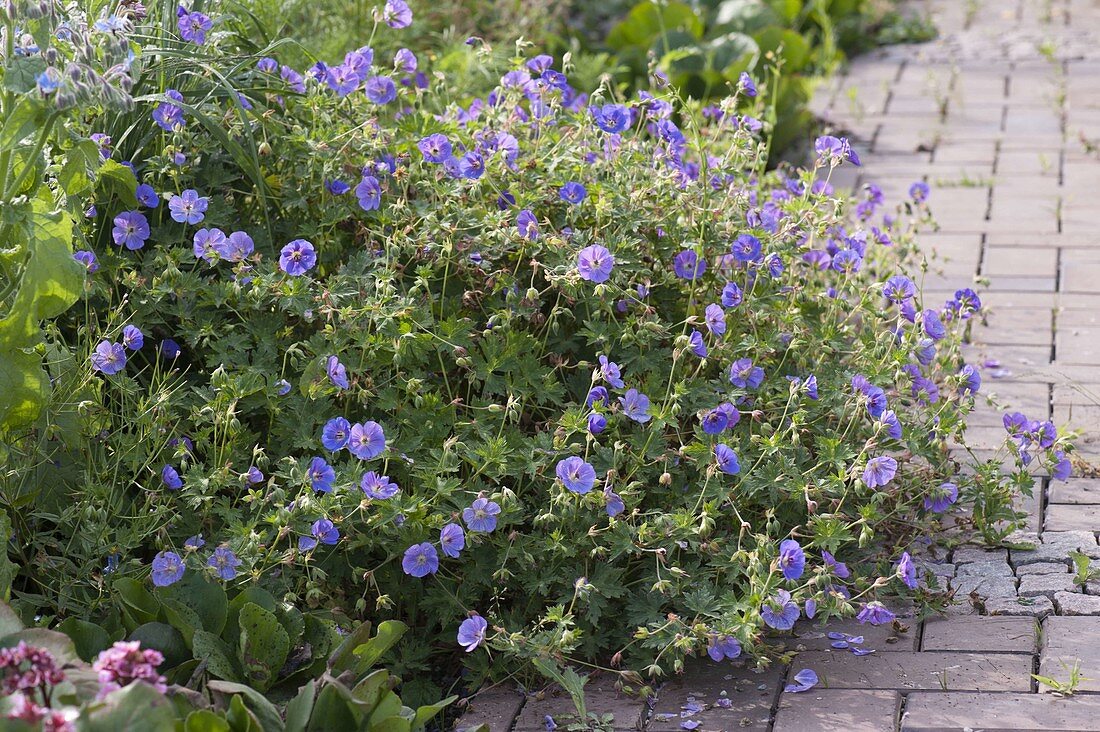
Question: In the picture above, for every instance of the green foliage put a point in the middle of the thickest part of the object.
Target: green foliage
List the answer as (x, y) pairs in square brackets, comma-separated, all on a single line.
[(362, 699), (703, 47)]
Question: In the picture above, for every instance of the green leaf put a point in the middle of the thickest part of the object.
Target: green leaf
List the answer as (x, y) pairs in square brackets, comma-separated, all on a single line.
[(204, 720), (367, 654), (786, 44), (205, 598), (743, 16), (21, 73), (51, 282), (137, 706), (299, 709), (425, 713), (216, 655), (24, 120), (119, 180), (164, 638), (9, 621), (182, 618), (261, 597), (241, 718), (344, 655), (139, 600), (332, 710), (368, 691), (82, 161), (648, 21), (264, 710), (88, 638), (8, 571), (58, 644), (264, 645)]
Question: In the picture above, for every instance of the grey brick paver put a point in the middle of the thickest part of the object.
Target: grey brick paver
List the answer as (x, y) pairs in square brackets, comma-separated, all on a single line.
[(927, 670), (978, 634), (853, 710), (1070, 640), (1000, 713)]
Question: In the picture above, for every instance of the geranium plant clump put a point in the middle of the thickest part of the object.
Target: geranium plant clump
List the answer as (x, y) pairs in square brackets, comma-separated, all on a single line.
[(554, 374)]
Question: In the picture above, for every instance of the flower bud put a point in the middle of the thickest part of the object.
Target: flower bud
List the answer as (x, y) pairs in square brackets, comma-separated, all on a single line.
[(666, 478)]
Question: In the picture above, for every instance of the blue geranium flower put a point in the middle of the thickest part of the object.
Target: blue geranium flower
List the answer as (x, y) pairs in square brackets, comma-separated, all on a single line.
[(576, 475)]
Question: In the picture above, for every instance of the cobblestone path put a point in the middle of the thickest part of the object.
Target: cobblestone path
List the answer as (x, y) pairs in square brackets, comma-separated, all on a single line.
[(1001, 116)]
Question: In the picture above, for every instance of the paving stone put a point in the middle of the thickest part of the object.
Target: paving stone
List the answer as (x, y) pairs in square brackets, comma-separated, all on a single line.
[(496, 708), (748, 697), (1043, 553), (996, 568), (1041, 568), (889, 637), (1075, 490), (853, 710), (984, 587), (600, 697), (1075, 603), (920, 671), (1034, 585), (943, 570), (1070, 640), (926, 712), (968, 554), (1033, 607), (1062, 517), (978, 634)]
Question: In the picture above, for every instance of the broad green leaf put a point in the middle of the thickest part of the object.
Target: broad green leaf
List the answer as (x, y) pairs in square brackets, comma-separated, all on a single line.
[(427, 712), (81, 163), (88, 638), (257, 703), (205, 598), (137, 706), (119, 180), (344, 655), (787, 44), (264, 645), (139, 600), (204, 720), (51, 282), (8, 571), (367, 654), (21, 73), (25, 119), (58, 644), (241, 718), (165, 639), (648, 21), (217, 656), (332, 711), (232, 630), (9, 621), (299, 709)]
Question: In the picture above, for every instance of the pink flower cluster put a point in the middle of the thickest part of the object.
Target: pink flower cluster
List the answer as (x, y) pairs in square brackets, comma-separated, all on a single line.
[(27, 711), (26, 668), (125, 662)]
